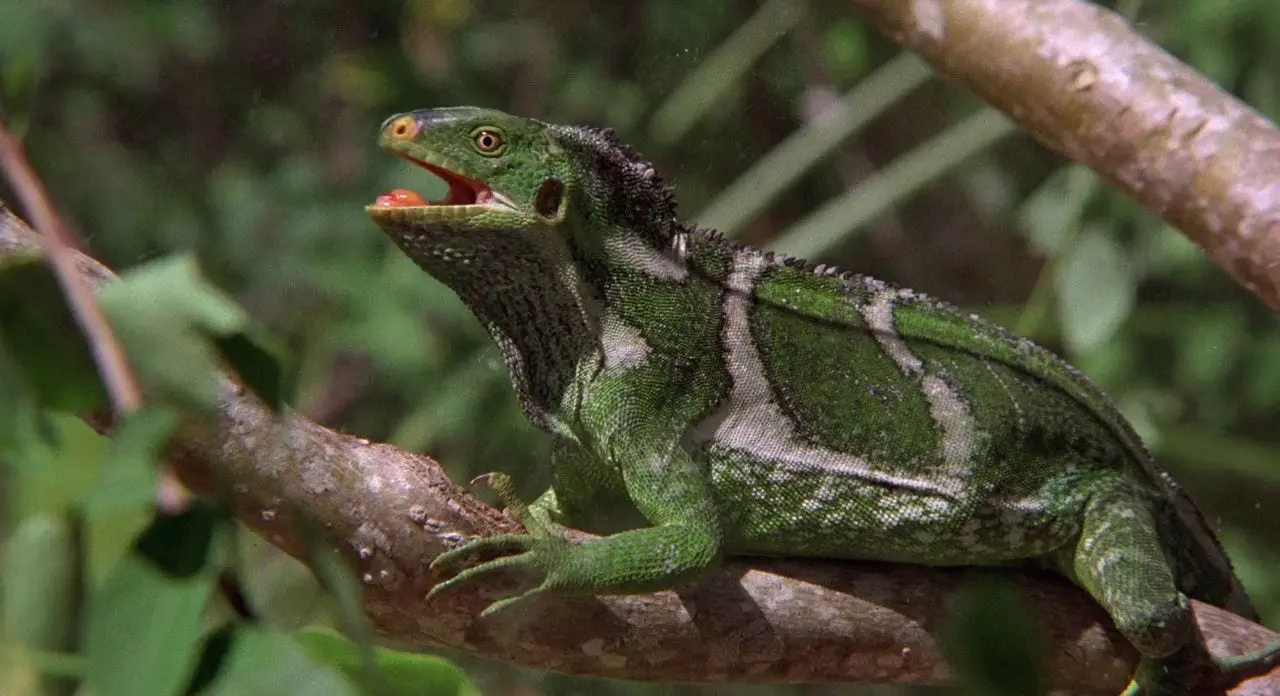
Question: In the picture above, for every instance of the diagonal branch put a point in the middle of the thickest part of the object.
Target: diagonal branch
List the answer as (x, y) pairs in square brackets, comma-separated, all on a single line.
[(1085, 84), (391, 512)]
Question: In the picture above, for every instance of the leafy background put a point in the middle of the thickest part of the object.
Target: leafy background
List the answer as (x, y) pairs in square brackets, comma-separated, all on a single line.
[(241, 133)]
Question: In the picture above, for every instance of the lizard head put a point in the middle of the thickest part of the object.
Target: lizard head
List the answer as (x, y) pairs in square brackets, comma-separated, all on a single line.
[(539, 221), (496, 166), (522, 195)]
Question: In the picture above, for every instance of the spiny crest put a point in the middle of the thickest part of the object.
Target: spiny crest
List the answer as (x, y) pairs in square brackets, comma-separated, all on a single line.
[(640, 199), (775, 258), (636, 195)]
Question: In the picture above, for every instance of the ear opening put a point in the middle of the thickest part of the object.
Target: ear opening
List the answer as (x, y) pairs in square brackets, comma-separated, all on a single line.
[(550, 193)]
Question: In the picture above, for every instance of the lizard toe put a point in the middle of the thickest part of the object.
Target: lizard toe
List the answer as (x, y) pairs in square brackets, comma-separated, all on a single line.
[(509, 601), (517, 561), (498, 542)]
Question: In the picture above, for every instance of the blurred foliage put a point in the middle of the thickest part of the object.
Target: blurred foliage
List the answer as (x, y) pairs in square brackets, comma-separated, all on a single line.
[(241, 134), (993, 644)]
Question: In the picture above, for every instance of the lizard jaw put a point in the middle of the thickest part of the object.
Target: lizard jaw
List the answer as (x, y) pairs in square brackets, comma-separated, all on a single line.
[(466, 197)]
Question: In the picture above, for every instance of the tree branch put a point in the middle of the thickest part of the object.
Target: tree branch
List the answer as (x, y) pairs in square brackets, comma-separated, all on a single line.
[(391, 512), (1082, 82)]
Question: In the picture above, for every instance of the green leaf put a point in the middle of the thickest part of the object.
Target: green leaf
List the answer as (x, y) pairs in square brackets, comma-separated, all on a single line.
[(41, 600), (120, 506), (165, 314), (992, 643), (336, 577), (217, 645), (399, 673), (144, 630), (175, 326), (53, 457), (1095, 289), (258, 662), (459, 397), (43, 338), (282, 591), (845, 47), (129, 471)]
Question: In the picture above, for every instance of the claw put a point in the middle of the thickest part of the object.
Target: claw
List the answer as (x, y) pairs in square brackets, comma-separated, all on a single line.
[(505, 488), (541, 549), (477, 571), (520, 542), (504, 603)]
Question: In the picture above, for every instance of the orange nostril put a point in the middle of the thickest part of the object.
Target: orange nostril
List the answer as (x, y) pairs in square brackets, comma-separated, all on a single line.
[(404, 127)]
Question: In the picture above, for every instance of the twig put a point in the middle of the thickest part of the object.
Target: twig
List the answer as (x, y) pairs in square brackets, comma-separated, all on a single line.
[(59, 246)]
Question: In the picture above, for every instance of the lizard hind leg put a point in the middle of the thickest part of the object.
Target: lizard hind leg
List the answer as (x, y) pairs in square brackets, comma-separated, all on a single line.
[(1119, 560)]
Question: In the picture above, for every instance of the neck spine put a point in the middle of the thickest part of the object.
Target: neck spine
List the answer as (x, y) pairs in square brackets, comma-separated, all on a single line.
[(634, 196)]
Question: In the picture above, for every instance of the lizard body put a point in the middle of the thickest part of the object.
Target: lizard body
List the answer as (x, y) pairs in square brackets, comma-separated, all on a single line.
[(747, 403)]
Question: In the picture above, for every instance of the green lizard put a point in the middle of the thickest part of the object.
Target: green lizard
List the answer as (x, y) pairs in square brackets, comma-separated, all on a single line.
[(748, 403)]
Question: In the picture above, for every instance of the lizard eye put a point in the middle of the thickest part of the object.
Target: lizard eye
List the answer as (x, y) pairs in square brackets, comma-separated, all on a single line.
[(488, 141)]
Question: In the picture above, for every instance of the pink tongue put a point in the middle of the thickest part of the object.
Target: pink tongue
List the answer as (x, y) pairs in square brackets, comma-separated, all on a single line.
[(400, 198)]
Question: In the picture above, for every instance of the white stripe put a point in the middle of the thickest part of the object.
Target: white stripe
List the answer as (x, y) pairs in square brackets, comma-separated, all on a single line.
[(630, 251), (946, 406), (750, 421), (951, 412), (623, 346), (878, 313)]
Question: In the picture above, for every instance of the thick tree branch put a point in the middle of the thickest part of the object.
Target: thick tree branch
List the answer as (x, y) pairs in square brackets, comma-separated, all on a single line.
[(1084, 83), (391, 512)]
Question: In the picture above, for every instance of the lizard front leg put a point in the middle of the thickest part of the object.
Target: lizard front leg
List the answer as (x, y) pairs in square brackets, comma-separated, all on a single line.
[(666, 485)]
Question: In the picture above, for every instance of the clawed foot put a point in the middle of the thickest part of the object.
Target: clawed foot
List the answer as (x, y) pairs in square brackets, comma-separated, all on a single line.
[(540, 552), (1192, 670)]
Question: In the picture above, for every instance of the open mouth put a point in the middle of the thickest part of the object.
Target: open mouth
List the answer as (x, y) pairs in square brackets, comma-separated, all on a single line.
[(462, 191)]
